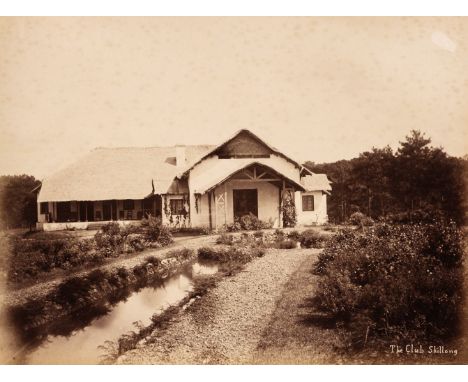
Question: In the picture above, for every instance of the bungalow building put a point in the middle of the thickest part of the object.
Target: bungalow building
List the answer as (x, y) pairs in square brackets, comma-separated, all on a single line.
[(186, 186)]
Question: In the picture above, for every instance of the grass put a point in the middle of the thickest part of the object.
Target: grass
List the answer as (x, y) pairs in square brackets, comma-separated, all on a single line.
[(291, 337)]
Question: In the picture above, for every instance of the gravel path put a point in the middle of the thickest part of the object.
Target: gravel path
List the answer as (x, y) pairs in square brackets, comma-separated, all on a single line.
[(21, 295), (227, 324)]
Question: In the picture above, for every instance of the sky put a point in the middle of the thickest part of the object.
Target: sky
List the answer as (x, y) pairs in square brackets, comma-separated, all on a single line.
[(317, 88)]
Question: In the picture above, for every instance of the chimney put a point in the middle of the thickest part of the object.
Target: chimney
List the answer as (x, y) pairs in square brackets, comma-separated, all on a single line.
[(180, 156)]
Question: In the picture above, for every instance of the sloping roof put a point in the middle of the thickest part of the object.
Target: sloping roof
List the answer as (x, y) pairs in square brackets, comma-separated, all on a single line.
[(223, 170), (211, 152), (316, 182), (118, 173)]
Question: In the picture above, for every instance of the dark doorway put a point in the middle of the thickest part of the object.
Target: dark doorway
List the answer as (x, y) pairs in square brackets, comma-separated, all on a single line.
[(90, 211), (109, 210), (86, 211), (82, 209), (63, 211), (245, 202)]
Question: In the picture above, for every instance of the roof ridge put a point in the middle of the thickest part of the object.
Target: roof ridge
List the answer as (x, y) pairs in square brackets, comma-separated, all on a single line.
[(146, 147)]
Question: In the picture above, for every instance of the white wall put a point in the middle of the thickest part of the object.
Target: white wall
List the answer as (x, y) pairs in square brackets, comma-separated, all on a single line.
[(200, 218), (268, 194), (268, 204), (318, 215)]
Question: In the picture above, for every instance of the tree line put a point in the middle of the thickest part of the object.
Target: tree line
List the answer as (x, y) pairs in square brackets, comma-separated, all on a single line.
[(417, 180)]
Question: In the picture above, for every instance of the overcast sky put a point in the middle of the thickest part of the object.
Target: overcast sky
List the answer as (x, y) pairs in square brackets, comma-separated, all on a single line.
[(319, 89)]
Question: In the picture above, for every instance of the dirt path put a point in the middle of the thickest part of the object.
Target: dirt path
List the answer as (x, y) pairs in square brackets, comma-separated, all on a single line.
[(21, 295), (228, 323)]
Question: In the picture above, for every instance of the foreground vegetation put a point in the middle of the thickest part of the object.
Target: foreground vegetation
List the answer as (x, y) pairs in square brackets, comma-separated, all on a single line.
[(78, 299), (393, 284), (230, 260), (32, 257)]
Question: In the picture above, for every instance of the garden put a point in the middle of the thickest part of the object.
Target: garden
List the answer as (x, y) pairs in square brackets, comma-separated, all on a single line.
[(393, 284)]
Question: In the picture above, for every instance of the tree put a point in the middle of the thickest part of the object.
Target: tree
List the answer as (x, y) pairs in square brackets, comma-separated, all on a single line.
[(417, 178), (372, 173), (17, 201)]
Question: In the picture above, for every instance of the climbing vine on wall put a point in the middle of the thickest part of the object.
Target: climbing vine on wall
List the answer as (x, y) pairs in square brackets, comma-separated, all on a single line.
[(167, 208), (288, 209), (197, 201)]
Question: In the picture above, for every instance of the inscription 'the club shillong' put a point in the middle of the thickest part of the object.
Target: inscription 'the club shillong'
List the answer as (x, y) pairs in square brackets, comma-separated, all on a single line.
[(419, 349)]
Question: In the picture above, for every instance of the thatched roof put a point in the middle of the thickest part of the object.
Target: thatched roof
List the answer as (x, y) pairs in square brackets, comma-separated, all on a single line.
[(118, 173), (316, 182)]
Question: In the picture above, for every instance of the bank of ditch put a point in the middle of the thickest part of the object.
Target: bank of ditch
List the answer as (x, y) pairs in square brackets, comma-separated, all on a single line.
[(225, 324)]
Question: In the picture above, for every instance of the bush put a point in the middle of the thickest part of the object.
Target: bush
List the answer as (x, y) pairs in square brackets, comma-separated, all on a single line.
[(192, 230), (421, 215), (393, 284), (110, 240), (73, 291), (183, 253), (287, 244), (312, 239), (248, 223), (279, 234), (135, 242), (155, 231), (231, 254), (361, 220), (31, 256), (233, 227), (225, 239), (294, 235), (152, 260)]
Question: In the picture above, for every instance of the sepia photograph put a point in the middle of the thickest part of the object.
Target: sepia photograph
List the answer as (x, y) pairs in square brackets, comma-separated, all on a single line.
[(233, 190)]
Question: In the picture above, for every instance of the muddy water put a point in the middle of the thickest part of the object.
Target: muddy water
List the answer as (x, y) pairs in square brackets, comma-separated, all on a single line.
[(82, 346)]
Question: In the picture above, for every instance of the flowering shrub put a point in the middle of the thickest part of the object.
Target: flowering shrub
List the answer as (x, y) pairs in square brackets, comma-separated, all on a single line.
[(225, 239), (287, 244), (393, 283), (311, 238), (110, 240), (361, 220), (242, 254), (155, 231), (32, 256), (248, 222)]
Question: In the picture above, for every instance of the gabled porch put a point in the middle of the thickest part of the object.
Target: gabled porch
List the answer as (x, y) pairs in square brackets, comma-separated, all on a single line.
[(246, 188)]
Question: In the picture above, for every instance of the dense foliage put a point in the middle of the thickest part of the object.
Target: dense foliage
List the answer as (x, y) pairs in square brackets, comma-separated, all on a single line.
[(311, 238), (415, 181), (248, 222), (17, 201), (31, 256), (393, 283)]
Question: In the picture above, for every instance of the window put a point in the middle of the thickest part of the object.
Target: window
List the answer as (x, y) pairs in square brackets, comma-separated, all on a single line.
[(44, 208), (177, 206), (128, 204), (307, 202)]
